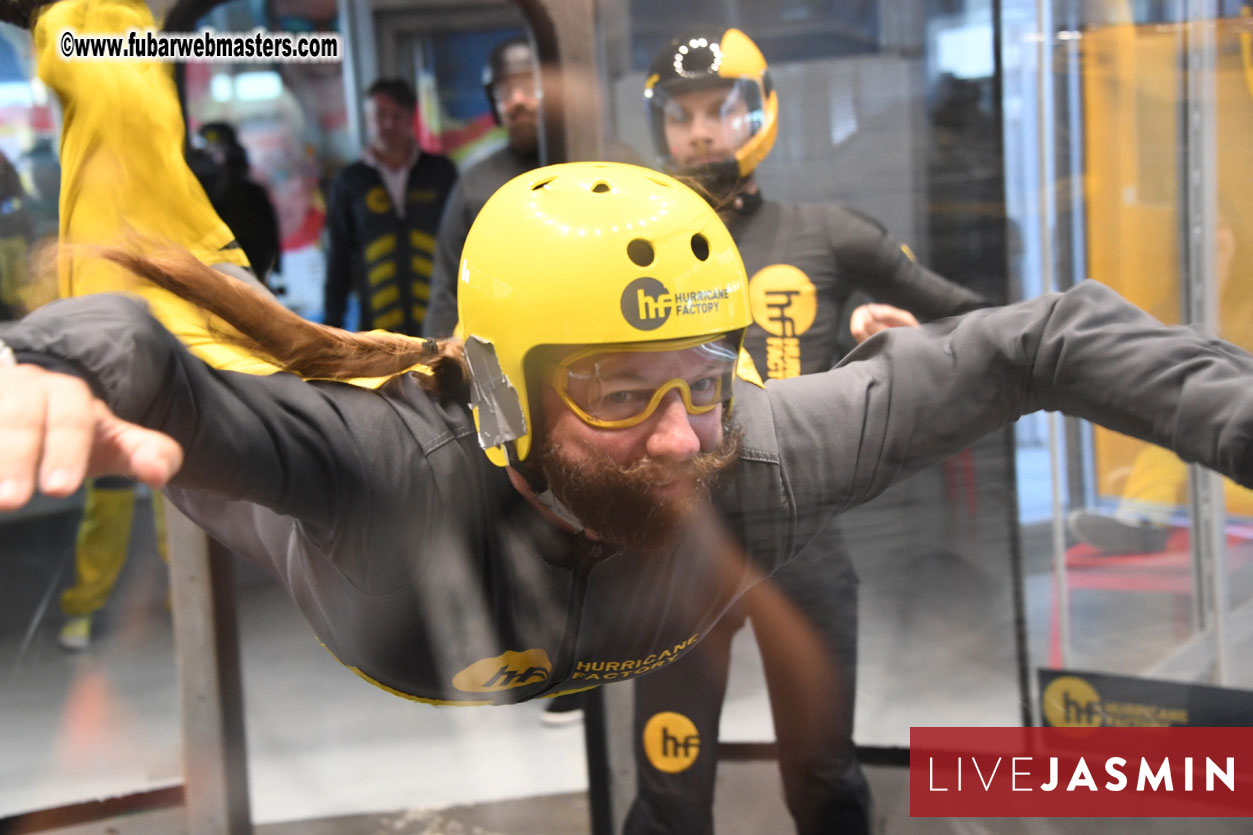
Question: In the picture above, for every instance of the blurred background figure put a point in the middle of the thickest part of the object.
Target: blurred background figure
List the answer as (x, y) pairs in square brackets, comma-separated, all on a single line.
[(14, 240), (511, 82), (239, 200), (44, 170), (383, 214)]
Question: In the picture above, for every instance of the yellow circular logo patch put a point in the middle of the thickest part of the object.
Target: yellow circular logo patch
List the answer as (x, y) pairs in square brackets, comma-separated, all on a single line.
[(1070, 702), (783, 300), (671, 742), (377, 201)]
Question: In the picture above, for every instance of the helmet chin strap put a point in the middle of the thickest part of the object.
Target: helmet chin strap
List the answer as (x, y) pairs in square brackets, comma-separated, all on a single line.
[(539, 488), (720, 183)]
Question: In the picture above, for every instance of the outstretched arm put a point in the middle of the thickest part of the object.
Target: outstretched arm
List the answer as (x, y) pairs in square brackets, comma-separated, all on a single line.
[(277, 441), (913, 396)]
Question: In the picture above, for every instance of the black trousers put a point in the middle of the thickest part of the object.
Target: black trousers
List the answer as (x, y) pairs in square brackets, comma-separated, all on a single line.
[(805, 620)]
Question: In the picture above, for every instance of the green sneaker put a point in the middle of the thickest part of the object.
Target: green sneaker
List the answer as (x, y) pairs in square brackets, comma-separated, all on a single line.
[(76, 633)]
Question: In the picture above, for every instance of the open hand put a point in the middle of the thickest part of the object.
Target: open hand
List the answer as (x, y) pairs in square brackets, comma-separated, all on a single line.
[(869, 319), (54, 433)]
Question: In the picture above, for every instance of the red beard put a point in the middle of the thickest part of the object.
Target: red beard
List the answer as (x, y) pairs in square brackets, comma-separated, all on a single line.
[(623, 505)]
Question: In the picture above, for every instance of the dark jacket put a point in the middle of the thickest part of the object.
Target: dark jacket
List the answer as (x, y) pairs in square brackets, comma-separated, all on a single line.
[(479, 182), (384, 258)]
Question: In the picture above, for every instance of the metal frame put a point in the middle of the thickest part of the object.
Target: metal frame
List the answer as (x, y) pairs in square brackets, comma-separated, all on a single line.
[(206, 640), (1198, 221)]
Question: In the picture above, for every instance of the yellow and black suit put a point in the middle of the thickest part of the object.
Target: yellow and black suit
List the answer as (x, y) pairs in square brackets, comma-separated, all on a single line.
[(384, 256)]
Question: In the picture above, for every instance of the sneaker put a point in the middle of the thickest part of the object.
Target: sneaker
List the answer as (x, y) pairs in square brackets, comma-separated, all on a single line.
[(1115, 535), (76, 633), (563, 710)]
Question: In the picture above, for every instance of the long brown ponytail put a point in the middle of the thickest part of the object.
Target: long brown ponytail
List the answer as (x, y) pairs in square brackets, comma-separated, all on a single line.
[(293, 343)]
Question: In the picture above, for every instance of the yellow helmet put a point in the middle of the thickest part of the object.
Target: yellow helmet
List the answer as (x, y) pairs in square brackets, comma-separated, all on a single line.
[(588, 253), (706, 58)]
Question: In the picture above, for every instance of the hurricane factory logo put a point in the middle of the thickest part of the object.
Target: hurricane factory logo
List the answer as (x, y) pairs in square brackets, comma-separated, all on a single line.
[(504, 672), (1070, 702), (671, 742), (647, 303), (784, 304)]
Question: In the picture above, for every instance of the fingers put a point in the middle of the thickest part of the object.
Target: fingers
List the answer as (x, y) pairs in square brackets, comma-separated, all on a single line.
[(54, 433), (894, 317), (45, 434), (860, 323), (68, 434), (124, 448), (21, 435), (869, 319)]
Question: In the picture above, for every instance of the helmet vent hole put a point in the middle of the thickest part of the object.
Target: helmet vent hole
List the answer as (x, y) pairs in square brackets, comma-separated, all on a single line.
[(601, 187), (700, 246), (542, 183), (640, 251)]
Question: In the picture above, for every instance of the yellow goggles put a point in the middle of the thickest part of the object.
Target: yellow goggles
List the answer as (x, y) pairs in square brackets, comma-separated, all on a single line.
[(609, 387)]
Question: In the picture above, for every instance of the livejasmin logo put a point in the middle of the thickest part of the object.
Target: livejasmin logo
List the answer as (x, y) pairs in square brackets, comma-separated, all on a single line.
[(1081, 772), (1023, 772)]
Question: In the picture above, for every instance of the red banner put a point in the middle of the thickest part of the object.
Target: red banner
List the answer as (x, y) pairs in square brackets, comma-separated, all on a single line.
[(1081, 772)]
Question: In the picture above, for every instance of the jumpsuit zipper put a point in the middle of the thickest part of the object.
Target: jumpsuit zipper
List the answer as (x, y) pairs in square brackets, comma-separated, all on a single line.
[(564, 664)]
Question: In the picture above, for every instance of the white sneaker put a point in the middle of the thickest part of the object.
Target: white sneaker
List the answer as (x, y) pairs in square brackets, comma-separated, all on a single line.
[(76, 633)]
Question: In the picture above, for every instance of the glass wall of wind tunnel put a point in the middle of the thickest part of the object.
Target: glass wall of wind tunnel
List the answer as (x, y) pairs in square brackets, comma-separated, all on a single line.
[(1152, 104), (322, 742), (88, 700), (891, 110)]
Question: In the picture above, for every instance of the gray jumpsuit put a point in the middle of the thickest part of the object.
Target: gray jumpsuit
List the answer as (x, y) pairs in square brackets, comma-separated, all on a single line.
[(419, 566)]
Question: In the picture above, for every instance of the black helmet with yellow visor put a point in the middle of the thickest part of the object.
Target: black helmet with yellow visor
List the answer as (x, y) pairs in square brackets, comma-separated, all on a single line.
[(712, 109)]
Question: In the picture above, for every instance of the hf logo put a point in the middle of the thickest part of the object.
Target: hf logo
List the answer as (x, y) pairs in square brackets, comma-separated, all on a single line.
[(646, 304), (1071, 702), (784, 303), (504, 672), (671, 742)]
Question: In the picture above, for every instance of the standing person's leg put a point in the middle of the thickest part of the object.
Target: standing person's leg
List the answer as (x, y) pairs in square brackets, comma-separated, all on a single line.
[(1155, 487), (124, 178), (805, 619), (99, 553), (677, 713)]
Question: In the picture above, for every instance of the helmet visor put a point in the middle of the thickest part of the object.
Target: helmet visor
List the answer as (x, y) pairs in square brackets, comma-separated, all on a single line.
[(705, 122), (617, 387)]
